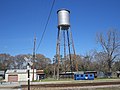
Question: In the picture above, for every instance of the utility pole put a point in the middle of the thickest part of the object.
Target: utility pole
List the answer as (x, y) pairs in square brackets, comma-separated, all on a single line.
[(28, 69), (34, 56), (54, 64)]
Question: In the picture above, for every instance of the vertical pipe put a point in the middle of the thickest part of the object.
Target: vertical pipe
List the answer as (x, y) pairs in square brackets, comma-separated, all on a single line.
[(69, 51)]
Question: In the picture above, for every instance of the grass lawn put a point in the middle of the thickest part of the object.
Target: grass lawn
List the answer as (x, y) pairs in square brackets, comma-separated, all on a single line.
[(70, 80)]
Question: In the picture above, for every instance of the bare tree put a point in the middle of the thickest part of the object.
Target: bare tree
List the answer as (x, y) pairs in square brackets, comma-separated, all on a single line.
[(20, 62), (116, 64), (100, 60), (6, 61), (88, 60), (41, 61), (111, 45)]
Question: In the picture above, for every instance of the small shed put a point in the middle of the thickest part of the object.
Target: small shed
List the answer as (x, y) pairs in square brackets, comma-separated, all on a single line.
[(40, 74), (19, 75)]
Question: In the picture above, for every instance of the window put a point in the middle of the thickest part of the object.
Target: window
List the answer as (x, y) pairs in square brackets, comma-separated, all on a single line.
[(91, 75), (81, 75)]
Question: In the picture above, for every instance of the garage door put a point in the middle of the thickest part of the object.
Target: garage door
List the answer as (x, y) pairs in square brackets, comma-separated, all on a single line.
[(13, 78)]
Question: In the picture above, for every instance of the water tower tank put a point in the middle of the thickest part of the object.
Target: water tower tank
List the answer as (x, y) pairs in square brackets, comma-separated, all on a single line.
[(63, 18)]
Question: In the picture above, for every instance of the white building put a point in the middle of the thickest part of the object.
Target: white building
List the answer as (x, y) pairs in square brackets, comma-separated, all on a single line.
[(19, 75)]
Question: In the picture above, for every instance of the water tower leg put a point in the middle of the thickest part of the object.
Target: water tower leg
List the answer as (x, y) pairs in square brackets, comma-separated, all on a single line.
[(64, 49), (69, 51), (75, 59), (58, 53)]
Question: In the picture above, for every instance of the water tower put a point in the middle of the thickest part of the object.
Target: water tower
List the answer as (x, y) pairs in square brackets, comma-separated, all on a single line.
[(65, 45)]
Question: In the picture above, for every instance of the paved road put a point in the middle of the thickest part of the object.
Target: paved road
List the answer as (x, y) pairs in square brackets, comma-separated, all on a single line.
[(10, 86)]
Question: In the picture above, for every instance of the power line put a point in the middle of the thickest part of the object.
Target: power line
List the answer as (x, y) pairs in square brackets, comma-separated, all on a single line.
[(46, 25)]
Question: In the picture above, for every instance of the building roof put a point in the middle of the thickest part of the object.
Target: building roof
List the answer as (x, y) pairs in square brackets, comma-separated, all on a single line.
[(40, 71), (16, 71), (19, 71)]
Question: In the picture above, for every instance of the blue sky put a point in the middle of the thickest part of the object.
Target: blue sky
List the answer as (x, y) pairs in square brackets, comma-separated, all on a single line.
[(21, 19)]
